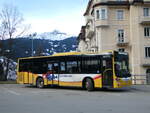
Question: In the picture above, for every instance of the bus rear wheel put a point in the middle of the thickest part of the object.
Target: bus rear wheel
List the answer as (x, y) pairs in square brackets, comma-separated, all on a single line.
[(40, 83), (89, 84)]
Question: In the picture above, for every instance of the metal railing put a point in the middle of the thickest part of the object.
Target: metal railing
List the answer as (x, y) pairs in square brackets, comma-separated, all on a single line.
[(140, 80)]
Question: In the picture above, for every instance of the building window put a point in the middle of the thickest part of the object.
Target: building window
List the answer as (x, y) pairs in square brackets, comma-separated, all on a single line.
[(147, 52), (148, 76), (147, 31), (146, 11), (120, 35), (97, 14), (121, 50), (120, 14), (101, 14)]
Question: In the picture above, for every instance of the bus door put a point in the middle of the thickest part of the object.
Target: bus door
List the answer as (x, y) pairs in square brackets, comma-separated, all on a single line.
[(30, 77), (52, 74), (27, 75), (107, 74), (30, 73)]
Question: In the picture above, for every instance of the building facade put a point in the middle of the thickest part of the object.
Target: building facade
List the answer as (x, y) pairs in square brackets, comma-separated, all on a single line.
[(122, 25)]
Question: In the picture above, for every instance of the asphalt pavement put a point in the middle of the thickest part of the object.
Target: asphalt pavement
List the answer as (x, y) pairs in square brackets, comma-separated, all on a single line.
[(15, 98)]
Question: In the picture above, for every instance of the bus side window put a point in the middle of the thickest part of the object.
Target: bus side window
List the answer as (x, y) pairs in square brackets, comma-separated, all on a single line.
[(24, 67), (104, 63), (55, 68), (62, 67), (69, 67), (44, 68), (91, 66), (50, 67), (107, 63), (21, 67), (79, 67), (72, 67), (39, 68)]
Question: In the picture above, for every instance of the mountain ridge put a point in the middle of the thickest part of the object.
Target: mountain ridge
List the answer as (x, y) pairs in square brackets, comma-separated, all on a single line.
[(53, 35), (22, 47)]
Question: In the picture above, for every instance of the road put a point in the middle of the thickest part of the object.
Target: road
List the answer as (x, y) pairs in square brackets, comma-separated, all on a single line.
[(16, 98)]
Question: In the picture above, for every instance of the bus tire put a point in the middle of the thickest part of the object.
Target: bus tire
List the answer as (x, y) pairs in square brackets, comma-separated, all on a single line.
[(40, 83), (89, 85)]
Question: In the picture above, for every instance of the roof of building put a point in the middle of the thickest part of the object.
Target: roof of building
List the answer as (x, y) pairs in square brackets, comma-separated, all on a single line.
[(88, 7), (116, 3)]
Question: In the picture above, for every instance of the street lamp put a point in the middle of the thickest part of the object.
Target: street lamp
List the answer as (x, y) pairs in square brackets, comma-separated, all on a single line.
[(32, 35)]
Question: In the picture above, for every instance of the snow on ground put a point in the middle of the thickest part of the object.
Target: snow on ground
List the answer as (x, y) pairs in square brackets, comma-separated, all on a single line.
[(11, 68)]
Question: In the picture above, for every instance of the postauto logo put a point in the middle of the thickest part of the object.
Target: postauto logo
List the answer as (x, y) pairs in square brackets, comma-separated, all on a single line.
[(51, 77)]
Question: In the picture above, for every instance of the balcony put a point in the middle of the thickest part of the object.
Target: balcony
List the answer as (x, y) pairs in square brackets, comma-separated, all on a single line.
[(102, 23), (89, 32), (146, 1), (122, 42), (144, 20), (112, 2), (146, 65), (89, 18), (101, 1), (138, 1)]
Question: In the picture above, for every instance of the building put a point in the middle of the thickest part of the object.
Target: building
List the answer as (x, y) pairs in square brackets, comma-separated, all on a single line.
[(122, 25)]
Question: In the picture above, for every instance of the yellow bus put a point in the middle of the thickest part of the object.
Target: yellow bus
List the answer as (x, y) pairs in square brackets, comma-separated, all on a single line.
[(102, 70)]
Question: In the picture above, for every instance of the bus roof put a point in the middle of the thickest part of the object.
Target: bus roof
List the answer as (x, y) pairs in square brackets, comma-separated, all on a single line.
[(71, 53), (67, 53), (83, 53)]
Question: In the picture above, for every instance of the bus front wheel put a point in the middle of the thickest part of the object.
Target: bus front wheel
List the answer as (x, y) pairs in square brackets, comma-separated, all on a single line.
[(40, 83), (89, 84)]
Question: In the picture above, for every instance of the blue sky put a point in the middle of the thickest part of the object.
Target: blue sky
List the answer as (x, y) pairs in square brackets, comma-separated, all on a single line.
[(47, 15)]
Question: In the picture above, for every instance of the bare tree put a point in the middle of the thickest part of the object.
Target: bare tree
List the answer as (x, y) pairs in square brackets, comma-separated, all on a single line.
[(11, 26), (11, 21)]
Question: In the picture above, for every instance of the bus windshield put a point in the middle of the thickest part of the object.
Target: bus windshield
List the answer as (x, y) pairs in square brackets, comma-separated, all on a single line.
[(122, 66)]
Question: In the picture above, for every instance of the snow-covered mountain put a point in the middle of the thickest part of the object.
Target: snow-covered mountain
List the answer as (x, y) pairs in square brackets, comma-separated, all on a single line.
[(43, 44), (54, 35), (22, 47)]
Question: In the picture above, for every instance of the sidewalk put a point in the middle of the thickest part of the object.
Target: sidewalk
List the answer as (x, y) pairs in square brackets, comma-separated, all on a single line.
[(144, 88)]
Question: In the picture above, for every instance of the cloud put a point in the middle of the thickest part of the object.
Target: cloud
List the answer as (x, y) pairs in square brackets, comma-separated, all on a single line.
[(65, 23)]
